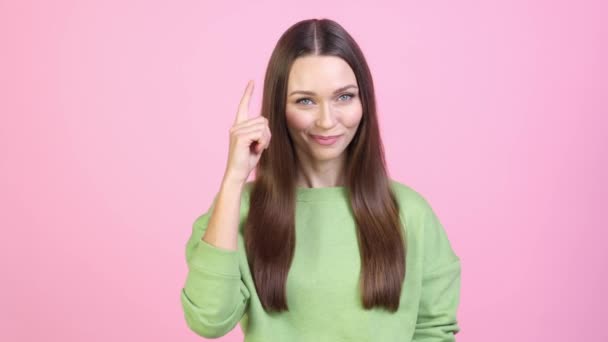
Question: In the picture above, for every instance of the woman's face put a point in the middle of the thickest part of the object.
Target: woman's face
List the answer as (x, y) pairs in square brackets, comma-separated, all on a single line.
[(322, 100)]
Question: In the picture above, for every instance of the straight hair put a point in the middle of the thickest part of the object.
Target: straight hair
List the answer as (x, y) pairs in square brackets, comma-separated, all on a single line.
[(269, 231)]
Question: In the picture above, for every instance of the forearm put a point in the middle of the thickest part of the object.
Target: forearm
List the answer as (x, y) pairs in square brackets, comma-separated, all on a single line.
[(214, 296), (222, 230)]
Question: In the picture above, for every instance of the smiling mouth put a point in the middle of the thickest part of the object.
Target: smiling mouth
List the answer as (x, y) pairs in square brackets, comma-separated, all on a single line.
[(326, 140), (325, 137)]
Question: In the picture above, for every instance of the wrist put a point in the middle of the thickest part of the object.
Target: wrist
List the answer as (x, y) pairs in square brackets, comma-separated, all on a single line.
[(232, 183)]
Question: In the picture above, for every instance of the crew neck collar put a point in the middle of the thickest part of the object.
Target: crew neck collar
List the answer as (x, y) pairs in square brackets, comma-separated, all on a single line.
[(329, 193)]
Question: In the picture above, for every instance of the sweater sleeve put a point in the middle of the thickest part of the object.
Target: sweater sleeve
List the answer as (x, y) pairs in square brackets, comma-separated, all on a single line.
[(214, 297), (440, 297)]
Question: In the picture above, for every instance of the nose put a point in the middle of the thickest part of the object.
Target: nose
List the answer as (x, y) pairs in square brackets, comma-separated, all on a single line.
[(326, 117)]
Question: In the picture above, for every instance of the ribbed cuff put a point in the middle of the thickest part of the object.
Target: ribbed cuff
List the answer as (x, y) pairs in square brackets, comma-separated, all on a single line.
[(209, 258)]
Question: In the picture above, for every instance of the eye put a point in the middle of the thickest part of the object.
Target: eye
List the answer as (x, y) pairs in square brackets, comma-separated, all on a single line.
[(302, 99), (350, 96)]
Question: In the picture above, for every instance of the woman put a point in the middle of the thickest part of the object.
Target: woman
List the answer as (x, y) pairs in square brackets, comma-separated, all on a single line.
[(315, 248)]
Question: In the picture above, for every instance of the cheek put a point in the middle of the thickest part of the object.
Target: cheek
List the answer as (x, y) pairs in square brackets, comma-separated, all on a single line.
[(297, 121), (351, 118)]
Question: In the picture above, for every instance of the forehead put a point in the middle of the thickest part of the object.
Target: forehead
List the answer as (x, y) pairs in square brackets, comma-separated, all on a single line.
[(320, 74)]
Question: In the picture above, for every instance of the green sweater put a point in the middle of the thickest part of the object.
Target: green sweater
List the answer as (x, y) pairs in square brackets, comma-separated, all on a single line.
[(322, 293)]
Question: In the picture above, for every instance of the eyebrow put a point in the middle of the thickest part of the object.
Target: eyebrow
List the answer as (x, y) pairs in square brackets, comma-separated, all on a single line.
[(312, 93)]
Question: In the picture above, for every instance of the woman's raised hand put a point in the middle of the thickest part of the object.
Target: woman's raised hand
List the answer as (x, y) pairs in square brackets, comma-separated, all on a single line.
[(249, 137)]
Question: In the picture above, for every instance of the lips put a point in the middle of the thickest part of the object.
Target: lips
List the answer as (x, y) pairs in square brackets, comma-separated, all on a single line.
[(325, 140), (324, 136)]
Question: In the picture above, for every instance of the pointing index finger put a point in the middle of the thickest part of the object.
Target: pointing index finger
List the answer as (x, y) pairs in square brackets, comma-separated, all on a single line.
[(243, 110)]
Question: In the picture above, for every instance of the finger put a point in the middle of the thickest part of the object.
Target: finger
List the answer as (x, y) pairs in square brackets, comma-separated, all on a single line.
[(263, 142), (247, 126), (246, 131), (249, 122), (261, 135), (251, 137), (269, 135), (265, 138), (243, 109)]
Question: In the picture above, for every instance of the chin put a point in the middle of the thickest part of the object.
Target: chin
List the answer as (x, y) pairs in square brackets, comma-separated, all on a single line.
[(323, 155)]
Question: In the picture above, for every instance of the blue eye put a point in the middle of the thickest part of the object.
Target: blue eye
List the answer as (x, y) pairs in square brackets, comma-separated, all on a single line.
[(350, 96), (299, 101)]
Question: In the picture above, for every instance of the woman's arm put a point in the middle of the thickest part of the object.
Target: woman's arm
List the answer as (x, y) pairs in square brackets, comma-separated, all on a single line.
[(437, 321), (214, 298)]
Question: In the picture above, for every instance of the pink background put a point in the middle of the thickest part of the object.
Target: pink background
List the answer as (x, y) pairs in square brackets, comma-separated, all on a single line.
[(114, 138)]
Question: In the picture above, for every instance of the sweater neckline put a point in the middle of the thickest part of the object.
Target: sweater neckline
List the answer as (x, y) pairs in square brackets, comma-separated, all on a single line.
[(328, 193)]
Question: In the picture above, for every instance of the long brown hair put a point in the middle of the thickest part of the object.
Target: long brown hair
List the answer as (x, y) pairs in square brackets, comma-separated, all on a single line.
[(270, 227)]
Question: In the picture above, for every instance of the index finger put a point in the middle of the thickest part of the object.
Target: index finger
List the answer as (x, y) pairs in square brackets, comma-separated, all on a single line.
[(243, 110)]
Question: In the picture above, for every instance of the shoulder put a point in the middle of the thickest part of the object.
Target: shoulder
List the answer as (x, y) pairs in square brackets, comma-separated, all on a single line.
[(420, 215), (411, 202)]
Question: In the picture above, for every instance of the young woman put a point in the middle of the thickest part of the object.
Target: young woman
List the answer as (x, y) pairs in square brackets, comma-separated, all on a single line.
[(315, 248)]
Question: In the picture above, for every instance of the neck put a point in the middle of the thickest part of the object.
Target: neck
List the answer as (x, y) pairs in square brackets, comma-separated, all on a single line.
[(320, 174)]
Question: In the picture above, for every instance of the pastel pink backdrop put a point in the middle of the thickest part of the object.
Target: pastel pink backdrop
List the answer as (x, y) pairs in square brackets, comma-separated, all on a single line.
[(115, 118)]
